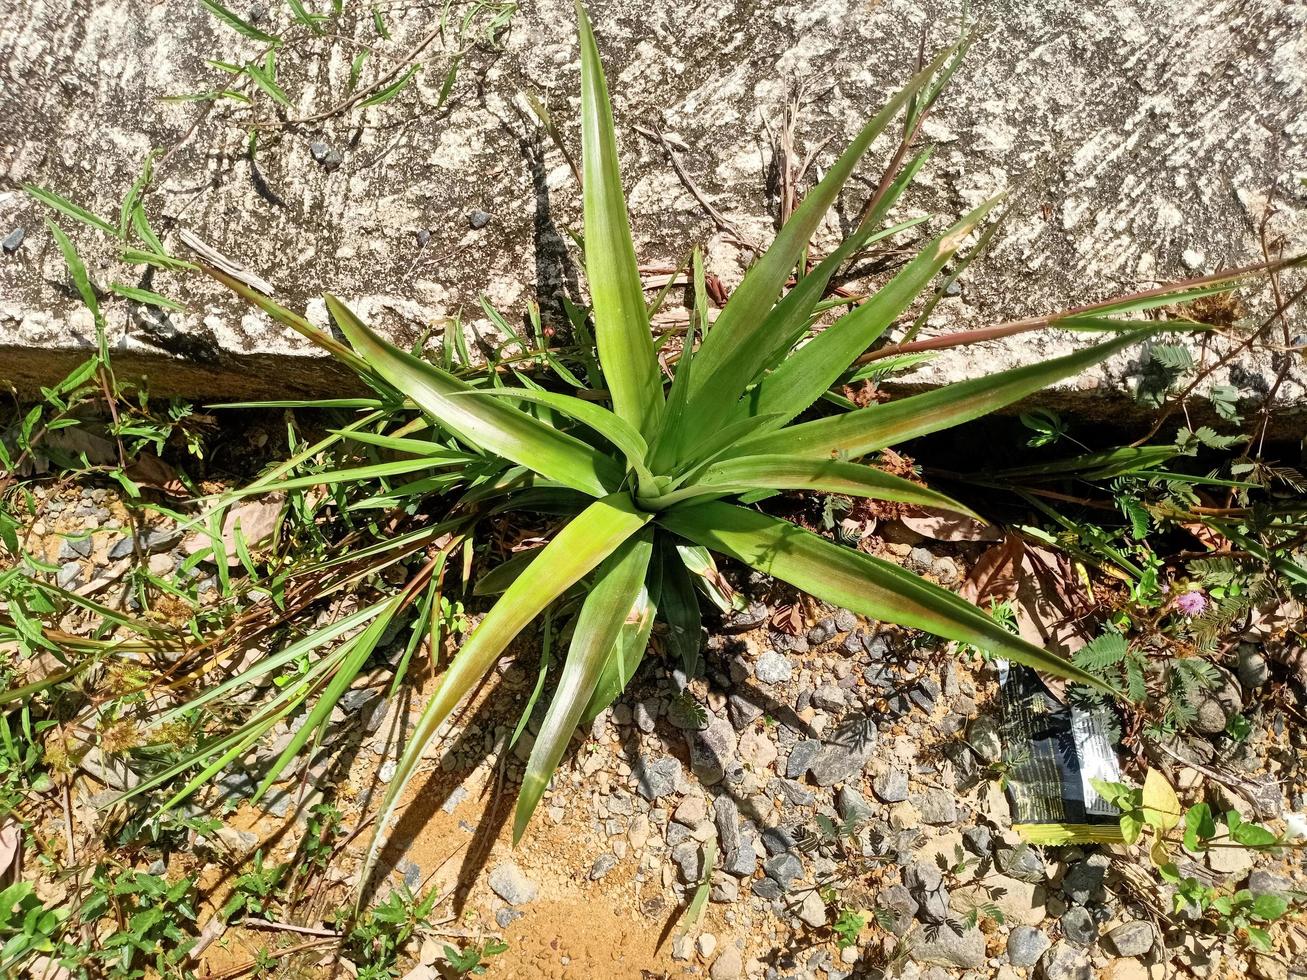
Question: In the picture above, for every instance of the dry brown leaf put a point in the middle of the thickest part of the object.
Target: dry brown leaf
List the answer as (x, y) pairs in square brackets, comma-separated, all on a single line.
[(943, 525), (993, 576), (258, 520), (149, 470), (11, 846)]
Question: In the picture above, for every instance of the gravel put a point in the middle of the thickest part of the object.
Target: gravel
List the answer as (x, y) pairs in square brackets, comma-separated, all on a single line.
[(657, 778), (1025, 945), (773, 668), (1131, 939), (891, 787), (509, 882)]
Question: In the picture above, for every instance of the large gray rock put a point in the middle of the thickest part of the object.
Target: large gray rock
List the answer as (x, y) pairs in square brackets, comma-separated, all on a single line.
[(1144, 146)]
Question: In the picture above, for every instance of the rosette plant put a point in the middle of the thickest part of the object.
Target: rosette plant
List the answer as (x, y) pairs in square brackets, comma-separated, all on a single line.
[(674, 461)]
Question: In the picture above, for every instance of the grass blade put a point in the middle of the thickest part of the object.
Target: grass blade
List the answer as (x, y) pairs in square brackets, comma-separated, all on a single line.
[(65, 206), (612, 427), (621, 319), (237, 24), (576, 550), (822, 475), (865, 430), (803, 376), (484, 423), (731, 356), (616, 587), (866, 585)]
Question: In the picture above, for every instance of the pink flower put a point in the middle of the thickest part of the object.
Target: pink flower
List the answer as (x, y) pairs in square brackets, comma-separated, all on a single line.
[(1191, 603)]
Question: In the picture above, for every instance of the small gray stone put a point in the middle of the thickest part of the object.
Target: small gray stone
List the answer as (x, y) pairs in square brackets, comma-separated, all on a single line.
[(773, 668), (891, 786), (1131, 938), (656, 778), (71, 549), (778, 840), (742, 860), (1023, 863), (1064, 962), (68, 575), (726, 815), (845, 621), (793, 791), (713, 753), (688, 858), (1252, 668), (726, 890), (509, 883), (645, 716), (1025, 945), (947, 948), (920, 559), (828, 697), (901, 906), (477, 220), (851, 806), (506, 916), (765, 888), (978, 839), (411, 872), (936, 806), (802, 757), (742, 711), (325, 156), (844, 759), (603, 864), (783, 869), (983, 735), (812, 911), (1079, 927), (13, 240), (1083, 881)]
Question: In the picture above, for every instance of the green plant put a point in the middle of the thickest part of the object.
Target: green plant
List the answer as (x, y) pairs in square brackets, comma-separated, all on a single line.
[(648, 480), (154, 919), (27, 926), (1154, 811), (472, 961), (378, 934), (848, 927)]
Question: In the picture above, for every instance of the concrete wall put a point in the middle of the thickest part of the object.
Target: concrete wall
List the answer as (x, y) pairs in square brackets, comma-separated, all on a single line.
[(1140, 141)]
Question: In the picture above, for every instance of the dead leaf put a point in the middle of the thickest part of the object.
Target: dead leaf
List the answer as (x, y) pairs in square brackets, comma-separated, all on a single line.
[(148, 470), (258, 520), (993, 577), (943, 525), (11, 847)]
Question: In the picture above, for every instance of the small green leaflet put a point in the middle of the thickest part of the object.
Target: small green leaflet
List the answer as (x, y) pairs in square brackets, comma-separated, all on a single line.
[(392, 90), (237, 24)]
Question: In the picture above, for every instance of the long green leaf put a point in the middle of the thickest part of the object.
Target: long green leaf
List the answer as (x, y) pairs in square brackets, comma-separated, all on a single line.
[(865, 430), (62, 204), (803, 376), (616, 587), (627, 652), (612, 427), (573, 553), (238, 24), (483, 423), (731, 355), (360, 648), (621, 319), (856, 581), (797, 473)]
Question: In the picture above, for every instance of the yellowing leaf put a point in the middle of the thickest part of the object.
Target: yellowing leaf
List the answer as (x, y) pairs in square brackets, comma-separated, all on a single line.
[(1161, 806)]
